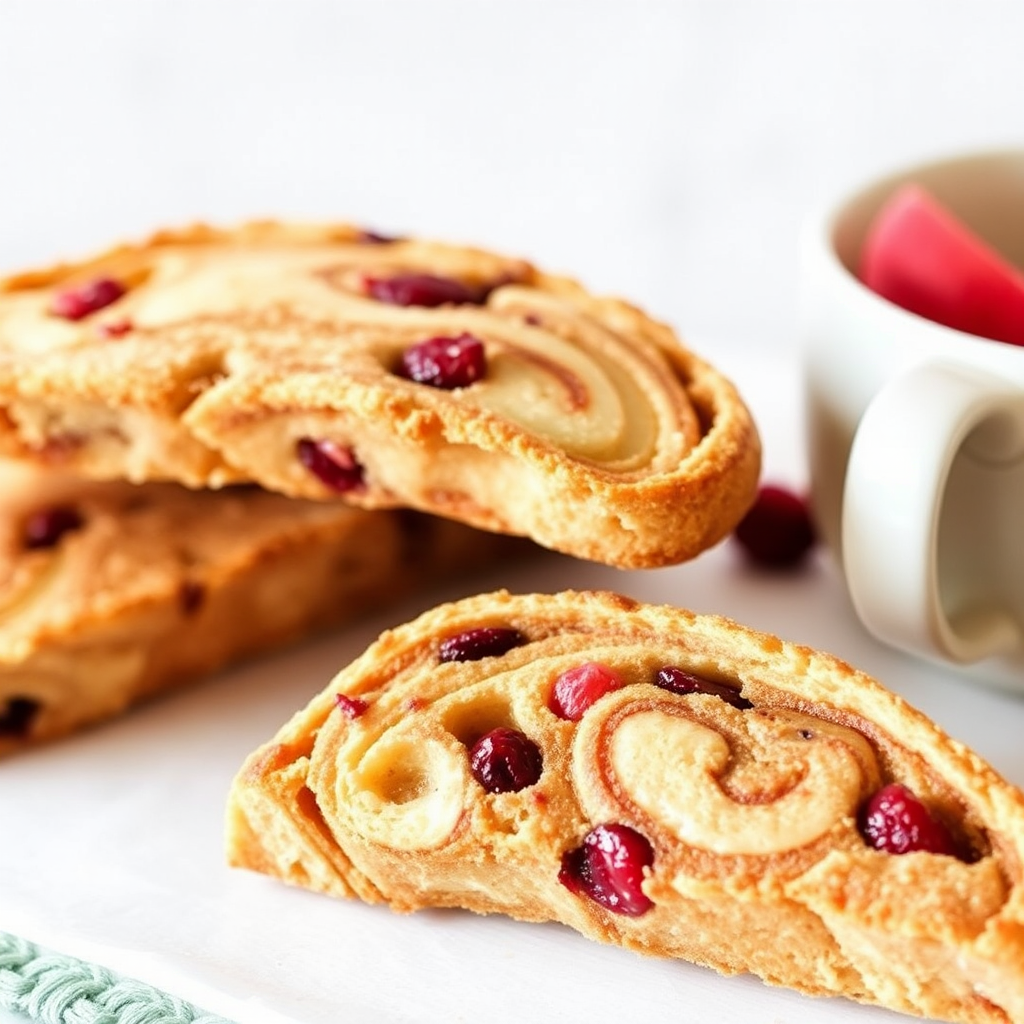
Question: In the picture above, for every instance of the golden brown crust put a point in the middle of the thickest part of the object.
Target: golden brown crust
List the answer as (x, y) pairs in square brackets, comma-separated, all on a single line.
[(759, 864), (593, 431), (159, 585)]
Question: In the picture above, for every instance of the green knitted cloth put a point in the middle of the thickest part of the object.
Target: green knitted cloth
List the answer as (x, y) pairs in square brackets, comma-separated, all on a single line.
[(58, 989)]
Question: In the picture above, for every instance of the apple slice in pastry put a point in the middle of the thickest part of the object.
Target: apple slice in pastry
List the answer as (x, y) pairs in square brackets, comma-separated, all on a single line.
[(673, 783), (321, 362)]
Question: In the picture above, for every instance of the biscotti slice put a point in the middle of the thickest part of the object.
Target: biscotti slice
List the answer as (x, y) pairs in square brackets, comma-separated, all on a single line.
[(325, 361), (110, 592), (673, 783)]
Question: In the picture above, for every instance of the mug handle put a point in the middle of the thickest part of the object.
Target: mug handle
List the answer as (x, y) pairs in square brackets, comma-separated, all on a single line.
[(893, 497)]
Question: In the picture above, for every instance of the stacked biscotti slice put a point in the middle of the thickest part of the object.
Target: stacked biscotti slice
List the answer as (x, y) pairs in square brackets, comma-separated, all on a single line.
[(676, 784), (225, 440)]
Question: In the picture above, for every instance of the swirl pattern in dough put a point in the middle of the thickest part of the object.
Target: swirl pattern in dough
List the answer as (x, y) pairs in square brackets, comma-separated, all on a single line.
[(280, 354), (673, 783)]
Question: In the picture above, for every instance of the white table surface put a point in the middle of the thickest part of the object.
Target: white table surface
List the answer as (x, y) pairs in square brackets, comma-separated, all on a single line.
[(669, 152)]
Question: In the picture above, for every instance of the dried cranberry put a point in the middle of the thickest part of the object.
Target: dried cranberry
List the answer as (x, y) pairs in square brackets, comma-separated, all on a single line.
[(334, 466), (505, 761), (678, 681), (367, 237), (778, 530), (115, 328), (191, 595), (79, 301), (350, 707), (579, 687), (445, 362), (423, 290), (894, 820), (482, 642), (609, 868), (45, 527), (17, 715)]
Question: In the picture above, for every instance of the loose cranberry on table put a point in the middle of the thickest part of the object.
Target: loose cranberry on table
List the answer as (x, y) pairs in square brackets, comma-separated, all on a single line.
[(332, 464), (505, 760), (609, 869), (896, 821), (480, 642), (778, 531), (78, 301), (577, 688), (920, 256), (445, 362)]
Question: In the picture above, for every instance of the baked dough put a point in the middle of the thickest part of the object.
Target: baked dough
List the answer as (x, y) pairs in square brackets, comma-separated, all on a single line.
[(749, 805), (238, 355), (110, 592)]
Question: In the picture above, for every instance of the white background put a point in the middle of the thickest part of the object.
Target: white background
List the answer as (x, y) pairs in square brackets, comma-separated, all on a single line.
[(669, 152), (666, 151)]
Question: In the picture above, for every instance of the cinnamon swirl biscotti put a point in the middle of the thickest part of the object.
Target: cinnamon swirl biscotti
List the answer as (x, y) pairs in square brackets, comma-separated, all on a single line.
[(110, 592), (322, 362), (673, 783)]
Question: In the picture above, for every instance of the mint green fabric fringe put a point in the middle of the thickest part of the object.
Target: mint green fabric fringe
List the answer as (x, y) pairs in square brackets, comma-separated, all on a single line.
[(58, 989)]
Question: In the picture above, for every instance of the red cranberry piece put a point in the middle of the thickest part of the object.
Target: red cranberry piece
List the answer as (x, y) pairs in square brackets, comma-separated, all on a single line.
[(44, 528), (505, 761), (577, 688), (895, 820), (482, 642), (675, 679), (778, 530), (191, 594), (17, 715), (350, 707), (445, 362), (115, 328), (334, 466), (367, 237), (423, 290), (609, 868), (81, 300)]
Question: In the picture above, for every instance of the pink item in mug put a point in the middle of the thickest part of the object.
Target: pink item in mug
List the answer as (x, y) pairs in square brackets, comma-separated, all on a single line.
[(921, 257)]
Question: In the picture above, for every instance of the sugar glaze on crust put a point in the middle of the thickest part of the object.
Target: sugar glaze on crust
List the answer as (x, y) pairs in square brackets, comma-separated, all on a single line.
[(593, 430), (750, 806)]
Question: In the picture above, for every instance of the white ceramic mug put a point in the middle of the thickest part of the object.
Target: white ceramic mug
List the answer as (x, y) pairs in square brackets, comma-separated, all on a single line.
[(916, 435)]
